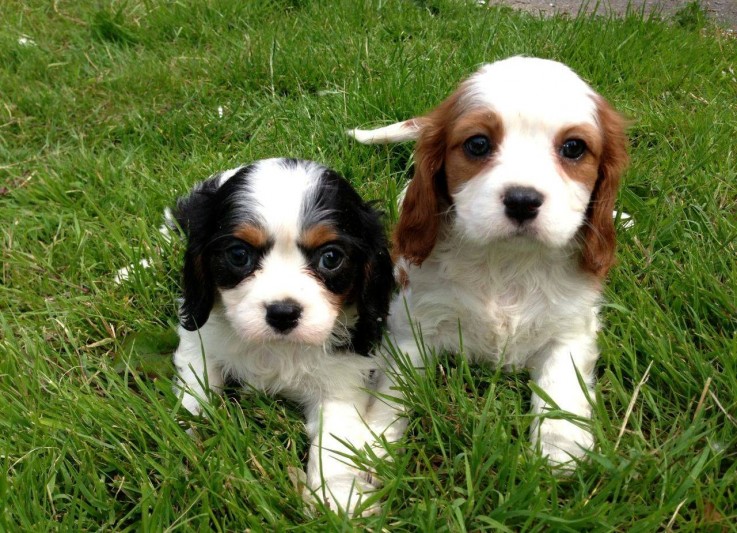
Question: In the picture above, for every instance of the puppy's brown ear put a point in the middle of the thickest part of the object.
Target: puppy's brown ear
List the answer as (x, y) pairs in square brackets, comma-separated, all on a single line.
[(419, 220), (599, 240)]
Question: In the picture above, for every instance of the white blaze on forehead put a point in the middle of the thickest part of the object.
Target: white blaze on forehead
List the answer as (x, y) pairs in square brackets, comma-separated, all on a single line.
[(532, 93), (278, 190)]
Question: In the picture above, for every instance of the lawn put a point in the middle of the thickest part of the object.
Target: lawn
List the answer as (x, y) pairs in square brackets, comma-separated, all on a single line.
[(109, 111)]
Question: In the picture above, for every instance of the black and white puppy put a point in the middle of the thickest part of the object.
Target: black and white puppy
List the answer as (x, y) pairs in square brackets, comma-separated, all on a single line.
[(287, 282)]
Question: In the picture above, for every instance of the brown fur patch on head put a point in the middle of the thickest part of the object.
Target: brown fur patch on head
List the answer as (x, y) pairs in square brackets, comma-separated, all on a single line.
[(419, 220), (599, 239), (459, 166), (584, 170), (318, 235), (252, 234)]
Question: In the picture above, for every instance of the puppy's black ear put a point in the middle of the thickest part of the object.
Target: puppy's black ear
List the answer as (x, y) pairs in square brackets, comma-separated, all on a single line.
[(198, 292), (195, 215), (377, 286)]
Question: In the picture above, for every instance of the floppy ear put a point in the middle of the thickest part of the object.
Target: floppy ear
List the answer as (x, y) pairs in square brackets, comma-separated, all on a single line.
[(419, 220), (194, 215), (599, 239), (377, 279), (198, 292)]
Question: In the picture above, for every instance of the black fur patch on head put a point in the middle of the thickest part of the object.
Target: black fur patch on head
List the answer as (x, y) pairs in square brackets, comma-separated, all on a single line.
[(206, 216), (361, 234)]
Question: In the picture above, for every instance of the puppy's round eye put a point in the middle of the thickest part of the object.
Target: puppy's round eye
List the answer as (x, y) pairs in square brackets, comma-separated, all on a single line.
[(477, 146), (241, 256), (573, 149), (331, 259)]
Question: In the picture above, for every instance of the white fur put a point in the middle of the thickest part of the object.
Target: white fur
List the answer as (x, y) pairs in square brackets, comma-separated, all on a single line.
[(516, 291), (331, 388), (537, 94), (302, 365), (526, 308), (407, 130)]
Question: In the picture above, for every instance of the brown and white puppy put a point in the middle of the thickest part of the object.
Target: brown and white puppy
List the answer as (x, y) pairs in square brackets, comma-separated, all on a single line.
[(287, 282), (506, 229)]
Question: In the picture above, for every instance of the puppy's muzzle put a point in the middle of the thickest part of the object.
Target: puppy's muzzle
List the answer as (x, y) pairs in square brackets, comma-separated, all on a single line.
[(522, 203), (284, 315)]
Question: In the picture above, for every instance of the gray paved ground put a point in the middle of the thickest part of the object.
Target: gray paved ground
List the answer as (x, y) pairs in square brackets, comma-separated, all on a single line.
[(724, 12)]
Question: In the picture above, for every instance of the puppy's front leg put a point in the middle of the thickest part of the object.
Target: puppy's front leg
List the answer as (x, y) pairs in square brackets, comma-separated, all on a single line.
[(387, 415), (195, 371), (332, 423), (554, 371)]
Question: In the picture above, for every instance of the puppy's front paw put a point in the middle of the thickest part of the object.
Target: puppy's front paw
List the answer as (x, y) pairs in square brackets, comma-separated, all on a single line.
[(562, 442), (348, 494), (191, 404), (344, 493)]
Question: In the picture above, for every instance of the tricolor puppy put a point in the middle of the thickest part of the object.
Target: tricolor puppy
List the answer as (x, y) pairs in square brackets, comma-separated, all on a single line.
[(287, 282), (506, 230)]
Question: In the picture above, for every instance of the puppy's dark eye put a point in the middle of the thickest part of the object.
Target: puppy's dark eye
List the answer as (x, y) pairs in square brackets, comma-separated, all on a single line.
[(573, 149), (477, 146), (241, 256), (331, 259)]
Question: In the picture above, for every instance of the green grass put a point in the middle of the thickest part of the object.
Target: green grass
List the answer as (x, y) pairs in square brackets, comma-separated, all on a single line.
[(112, 112)]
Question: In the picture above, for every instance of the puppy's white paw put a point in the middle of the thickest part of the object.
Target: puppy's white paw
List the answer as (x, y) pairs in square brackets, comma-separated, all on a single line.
[(345, 493), (562, 442), (191, 404)]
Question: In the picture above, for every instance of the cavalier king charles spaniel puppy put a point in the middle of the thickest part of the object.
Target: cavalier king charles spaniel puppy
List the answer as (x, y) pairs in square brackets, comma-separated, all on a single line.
[(286, 287), (506, 235)]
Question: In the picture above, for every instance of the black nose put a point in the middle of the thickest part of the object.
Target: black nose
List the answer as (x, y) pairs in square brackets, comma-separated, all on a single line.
[(283, 316), (522, 203)]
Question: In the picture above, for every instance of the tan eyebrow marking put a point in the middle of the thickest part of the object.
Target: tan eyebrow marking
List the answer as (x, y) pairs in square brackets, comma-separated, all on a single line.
[(253, 235), (317, 235), (458, 166)]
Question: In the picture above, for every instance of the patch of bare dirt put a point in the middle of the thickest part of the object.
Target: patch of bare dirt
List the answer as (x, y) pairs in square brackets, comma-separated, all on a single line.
[(723, 12)]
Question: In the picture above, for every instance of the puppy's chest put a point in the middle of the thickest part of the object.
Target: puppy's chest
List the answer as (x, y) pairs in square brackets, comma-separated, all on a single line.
[(274, 369), (298, 372), (491, 314), (507, 311), (502, 312)]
